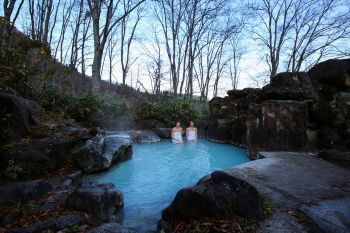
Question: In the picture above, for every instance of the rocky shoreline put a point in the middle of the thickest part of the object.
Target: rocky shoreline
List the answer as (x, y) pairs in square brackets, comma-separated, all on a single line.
[(304, 197), (42, 166), (46, 176)]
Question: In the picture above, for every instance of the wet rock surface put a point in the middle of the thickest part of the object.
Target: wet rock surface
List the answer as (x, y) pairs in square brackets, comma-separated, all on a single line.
[(163, 132), (304, 197), (302, 184), (147, 137), (330, 215), (221, 196), (228, 116), (103, 201), (218, 130), (100, 152), (283, 223), (277, 125)]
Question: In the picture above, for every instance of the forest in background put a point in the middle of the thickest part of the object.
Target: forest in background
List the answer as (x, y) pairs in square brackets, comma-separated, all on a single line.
[(185, 47)]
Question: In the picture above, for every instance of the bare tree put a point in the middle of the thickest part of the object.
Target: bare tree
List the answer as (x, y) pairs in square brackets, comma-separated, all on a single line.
[(40, 14), (86, 26), (78, 19), (57, 6), (169, 14), (9, 7), (200, 15), (316, 31), (111, 53), (307, 28), (126, 39), (155, 64), (276, 18), (206, 62), (65, 15), (234, 65), (213, 45), (104, 19)]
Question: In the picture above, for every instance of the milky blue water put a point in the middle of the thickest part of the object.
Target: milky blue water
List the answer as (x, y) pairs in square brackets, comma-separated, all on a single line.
[(150, 180)]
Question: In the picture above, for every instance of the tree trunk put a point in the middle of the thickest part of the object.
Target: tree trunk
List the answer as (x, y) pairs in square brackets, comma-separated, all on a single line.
[(96, 69)]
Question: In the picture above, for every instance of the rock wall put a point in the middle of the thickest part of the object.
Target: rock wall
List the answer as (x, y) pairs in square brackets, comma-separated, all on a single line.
[(228, 116), (286, 119), (295, 111)]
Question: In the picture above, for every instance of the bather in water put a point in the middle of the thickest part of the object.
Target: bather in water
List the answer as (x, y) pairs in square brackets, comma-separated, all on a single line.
[(176, 134), (191, 133)]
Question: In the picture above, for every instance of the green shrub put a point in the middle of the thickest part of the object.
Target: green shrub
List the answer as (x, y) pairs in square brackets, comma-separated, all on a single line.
[(168, 112), (92, 109), (267, 209), (73, 228), (87, 108)]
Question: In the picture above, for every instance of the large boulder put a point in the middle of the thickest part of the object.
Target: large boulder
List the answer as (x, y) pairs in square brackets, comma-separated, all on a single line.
[(216, 106), (332, 119), (163, 132), (22, 160), (335, 156), (125, 136), (228, 116), (290, 86), (276, 126), (291, 182), (221, 195), (332, 72), (18, 116), (218, 130), (100, 152), (102, 201), (72, 130), (218, 123), (147, 137), (238, 94)]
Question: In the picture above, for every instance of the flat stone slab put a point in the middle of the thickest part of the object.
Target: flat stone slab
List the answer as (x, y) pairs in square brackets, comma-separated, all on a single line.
[(282, 223), (299, 182), (330, 214)]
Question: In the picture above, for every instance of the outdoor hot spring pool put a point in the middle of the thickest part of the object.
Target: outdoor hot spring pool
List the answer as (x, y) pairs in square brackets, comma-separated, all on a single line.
[(150, 180)]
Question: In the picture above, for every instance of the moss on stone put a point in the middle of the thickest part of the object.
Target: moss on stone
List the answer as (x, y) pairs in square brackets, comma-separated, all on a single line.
[(267, 209)]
